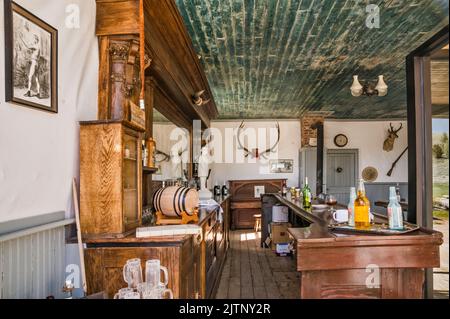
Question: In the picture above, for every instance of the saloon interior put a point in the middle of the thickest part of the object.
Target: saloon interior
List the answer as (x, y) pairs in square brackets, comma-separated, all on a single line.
[(184, 136)]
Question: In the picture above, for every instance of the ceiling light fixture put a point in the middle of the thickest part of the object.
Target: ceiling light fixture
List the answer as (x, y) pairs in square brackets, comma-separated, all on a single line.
[(357, 89)]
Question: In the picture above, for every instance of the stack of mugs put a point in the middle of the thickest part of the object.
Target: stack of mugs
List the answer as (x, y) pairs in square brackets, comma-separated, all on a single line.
[(152, 288)]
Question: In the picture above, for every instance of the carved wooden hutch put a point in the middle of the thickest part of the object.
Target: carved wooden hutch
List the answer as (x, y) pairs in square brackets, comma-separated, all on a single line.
[(147, 61)]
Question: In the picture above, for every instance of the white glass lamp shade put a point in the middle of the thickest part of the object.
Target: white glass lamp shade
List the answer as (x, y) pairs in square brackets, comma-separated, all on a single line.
[(357, 88), (382, 87)]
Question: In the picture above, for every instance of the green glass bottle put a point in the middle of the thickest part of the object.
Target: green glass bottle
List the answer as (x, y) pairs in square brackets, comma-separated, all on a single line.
[(307, 196)]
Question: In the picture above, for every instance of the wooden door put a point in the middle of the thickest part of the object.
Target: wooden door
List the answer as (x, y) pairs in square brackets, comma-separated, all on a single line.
[(342, 173)]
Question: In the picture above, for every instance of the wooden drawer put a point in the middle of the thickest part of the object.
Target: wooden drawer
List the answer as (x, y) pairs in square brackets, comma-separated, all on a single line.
[(246, 205)]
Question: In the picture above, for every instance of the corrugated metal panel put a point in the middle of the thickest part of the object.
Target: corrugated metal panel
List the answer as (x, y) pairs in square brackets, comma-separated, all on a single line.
[(32, 267)]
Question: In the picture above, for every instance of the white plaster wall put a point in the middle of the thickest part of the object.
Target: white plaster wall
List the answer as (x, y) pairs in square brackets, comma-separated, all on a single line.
[(39, 150), (258, 169), (368, 137)]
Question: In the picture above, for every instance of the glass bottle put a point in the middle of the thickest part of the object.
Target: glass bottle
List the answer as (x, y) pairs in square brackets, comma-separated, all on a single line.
[(362, 208), (224, 189), (395, 212), (351, 207), (284, 189), (307, 196), (397, 192)]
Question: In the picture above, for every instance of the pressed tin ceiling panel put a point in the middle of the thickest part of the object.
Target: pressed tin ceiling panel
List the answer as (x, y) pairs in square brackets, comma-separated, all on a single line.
[(283, 58)]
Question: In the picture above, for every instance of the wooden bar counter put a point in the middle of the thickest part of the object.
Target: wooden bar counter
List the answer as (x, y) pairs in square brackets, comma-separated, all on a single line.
[(194, 262), (345, 265)]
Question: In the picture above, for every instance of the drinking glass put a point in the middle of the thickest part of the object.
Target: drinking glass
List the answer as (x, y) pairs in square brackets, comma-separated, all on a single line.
[(160, 292), (153, 270), (331, 200), (132, 295), (122, 292), (132, 273), (145, 290)]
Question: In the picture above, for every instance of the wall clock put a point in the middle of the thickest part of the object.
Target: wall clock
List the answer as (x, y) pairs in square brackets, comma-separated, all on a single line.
[(341, 140)]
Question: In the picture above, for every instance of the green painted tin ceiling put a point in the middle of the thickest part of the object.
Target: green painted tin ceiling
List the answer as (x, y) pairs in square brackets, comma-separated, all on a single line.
[(284, 58)]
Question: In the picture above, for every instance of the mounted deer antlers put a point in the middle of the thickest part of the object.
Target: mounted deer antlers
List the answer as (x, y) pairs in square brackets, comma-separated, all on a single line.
[(389, 142), (165, 157), (256, 153), (198, 100)]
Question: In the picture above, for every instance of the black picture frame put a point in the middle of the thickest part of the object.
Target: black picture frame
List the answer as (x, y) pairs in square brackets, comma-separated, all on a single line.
[(18, 76)]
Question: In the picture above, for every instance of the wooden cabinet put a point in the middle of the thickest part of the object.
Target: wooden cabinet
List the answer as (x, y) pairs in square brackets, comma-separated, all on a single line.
[(195, 263), (245, 205), (215, 246), (180, 254), (110, 179)]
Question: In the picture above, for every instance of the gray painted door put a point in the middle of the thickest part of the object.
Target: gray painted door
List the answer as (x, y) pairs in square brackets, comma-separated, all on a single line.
[(342, 173)]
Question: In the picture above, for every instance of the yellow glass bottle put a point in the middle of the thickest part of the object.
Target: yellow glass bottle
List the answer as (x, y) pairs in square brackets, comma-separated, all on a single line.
[(362, 208)]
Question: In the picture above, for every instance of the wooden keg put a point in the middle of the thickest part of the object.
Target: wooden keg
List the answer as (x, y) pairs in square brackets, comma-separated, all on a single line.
[(173, 201)]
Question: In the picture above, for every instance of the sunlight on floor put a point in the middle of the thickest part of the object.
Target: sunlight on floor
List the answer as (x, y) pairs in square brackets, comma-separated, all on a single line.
[(250, 236)]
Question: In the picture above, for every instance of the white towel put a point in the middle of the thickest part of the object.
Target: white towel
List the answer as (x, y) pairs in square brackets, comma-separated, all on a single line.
[(212, 204)]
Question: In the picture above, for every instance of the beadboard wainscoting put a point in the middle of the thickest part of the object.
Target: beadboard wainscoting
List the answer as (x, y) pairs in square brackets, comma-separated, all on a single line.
[(32, 260)]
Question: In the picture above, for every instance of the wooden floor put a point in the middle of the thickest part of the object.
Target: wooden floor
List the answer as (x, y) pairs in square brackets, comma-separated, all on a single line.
[(251, 272)]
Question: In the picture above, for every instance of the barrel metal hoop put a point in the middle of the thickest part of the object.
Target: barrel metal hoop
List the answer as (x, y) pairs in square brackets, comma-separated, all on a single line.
[(175, 201), (184, 200)]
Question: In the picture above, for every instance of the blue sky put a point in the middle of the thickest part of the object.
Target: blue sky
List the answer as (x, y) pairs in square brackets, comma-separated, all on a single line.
[(440, 125)]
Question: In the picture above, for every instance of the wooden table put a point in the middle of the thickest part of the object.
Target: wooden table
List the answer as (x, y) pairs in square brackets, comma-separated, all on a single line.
[(343, 265)]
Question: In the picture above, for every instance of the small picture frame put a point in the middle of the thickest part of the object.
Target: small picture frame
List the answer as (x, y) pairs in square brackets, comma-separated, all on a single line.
[(281, 166), (31, 60), (259, 191)]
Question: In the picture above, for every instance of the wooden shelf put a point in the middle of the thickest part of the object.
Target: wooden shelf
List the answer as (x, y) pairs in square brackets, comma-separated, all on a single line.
[(149, 170), (130, 159)]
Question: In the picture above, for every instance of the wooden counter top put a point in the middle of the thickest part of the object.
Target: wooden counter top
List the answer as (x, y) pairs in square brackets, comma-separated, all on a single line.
[(318, 231), (204, 215)]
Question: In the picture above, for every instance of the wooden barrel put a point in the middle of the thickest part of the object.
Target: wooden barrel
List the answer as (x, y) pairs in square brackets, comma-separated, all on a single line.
[(174, 200)]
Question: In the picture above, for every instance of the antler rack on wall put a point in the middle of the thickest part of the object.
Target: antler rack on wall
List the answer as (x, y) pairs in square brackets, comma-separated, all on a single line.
[(256, 153)]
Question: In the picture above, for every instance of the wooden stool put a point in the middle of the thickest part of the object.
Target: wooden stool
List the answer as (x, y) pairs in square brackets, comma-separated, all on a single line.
[(257, 222)]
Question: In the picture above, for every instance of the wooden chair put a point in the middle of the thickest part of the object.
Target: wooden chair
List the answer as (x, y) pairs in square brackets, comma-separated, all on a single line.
[(257, 222)]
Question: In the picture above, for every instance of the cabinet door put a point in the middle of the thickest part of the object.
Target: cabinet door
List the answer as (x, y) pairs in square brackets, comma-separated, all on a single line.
[(131, 180), (243, 218)]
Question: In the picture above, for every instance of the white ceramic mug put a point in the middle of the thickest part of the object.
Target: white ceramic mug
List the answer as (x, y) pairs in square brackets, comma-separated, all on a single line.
[(341, 216)]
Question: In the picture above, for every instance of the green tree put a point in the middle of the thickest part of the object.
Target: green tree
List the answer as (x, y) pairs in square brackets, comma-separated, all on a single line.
[(444, 144), (438, 151)]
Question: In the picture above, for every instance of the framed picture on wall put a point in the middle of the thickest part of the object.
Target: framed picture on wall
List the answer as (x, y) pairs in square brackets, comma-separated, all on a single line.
[(31, 59), (281, 166)]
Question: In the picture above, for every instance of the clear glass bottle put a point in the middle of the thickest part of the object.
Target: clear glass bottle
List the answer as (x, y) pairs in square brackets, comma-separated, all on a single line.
[(307, 196), (362, 208), (351, 207), (397, 192), (395, 212)]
